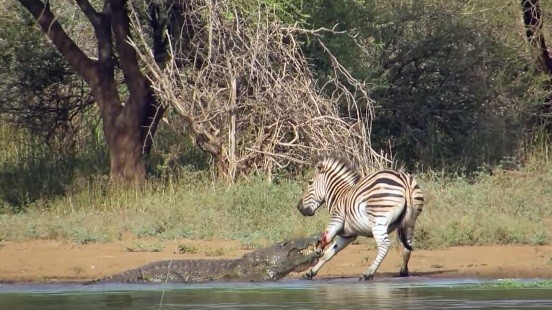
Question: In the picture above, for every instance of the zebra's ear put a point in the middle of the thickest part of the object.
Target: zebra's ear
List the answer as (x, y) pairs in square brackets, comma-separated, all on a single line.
[(319, 167)]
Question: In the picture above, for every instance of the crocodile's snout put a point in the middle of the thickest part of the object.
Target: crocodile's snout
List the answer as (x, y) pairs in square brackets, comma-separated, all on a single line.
[(304, 254)]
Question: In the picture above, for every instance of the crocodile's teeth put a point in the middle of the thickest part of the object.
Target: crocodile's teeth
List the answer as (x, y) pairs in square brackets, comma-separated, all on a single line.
[(308, 251)]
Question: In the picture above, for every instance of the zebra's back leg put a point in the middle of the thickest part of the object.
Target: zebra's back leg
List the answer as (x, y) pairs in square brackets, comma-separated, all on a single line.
[(382, 239), (405, 236), (337, 245)]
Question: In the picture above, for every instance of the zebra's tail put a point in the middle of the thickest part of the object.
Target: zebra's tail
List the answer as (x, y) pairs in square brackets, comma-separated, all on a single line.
[(403, 237)]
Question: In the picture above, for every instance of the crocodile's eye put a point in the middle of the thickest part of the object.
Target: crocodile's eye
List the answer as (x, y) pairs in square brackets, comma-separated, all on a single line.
[(283, 244)]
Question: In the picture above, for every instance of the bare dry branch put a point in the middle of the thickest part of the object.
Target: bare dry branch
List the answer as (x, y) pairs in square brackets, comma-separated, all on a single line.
[(246, 90)]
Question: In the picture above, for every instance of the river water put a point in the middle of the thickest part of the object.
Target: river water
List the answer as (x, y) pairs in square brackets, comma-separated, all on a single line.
[(346, 293)]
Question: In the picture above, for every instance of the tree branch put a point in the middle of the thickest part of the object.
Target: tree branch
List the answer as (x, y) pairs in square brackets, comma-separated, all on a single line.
[(102, 28), (158, 24), (127, 55), (64, 44), (88, 10)]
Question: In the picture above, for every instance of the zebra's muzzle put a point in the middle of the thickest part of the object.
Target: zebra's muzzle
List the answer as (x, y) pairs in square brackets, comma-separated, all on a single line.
[(305, 211)]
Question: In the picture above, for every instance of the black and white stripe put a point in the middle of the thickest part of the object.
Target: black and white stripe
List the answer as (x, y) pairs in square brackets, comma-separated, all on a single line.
[(371, 206)]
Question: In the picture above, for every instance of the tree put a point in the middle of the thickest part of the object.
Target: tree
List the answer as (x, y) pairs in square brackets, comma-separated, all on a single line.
[(533, 21), (129, 121), (447, 78), (247, 95), (39, 91)]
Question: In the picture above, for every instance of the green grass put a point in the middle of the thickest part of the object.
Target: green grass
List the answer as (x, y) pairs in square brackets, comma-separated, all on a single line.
[(503, 208), (506, 207), (45, 197), (215, 252), (145, 247), (188, 249), (514, 284), (191, 207)]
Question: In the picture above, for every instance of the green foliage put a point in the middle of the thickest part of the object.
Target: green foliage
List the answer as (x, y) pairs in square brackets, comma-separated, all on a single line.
[(32, 173), (258, 205), (51, 137), (452, 84), (175, 152), (499, 208), (38, 89), (289, 11)]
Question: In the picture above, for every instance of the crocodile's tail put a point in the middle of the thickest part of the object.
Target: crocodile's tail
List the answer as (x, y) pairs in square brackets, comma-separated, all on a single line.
[(156, 272), (130, 276), (125, 277), (92, 282)]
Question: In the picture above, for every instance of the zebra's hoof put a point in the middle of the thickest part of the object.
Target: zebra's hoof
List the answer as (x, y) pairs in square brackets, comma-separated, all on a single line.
[(308, 276), (366, 277), (404, 273)]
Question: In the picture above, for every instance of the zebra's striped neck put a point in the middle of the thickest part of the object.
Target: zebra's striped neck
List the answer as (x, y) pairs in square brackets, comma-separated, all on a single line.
[(340, 178)]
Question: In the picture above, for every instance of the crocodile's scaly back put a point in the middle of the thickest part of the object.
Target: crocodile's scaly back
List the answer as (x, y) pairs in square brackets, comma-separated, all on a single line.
[(179, 271), (266, 264)]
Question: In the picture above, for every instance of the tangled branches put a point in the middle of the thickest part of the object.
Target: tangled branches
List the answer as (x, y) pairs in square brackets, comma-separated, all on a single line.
[(247, 94)]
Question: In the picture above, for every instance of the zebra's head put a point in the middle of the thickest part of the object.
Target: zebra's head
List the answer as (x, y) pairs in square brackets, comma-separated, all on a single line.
[(329, 174)]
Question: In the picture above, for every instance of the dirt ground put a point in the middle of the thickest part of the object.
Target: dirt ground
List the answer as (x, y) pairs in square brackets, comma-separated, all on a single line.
[(54, 261)]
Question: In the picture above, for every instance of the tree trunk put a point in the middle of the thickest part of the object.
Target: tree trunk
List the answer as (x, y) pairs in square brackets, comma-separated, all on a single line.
[(532, 18), (127, 157), (128, 135)]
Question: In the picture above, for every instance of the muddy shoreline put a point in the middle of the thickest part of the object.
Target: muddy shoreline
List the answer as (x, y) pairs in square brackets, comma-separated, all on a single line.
[(39, 261)]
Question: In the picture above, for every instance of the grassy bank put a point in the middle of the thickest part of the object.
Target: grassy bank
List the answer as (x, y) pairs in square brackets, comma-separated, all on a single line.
[(53, 195), (504, 207), (513, 284)]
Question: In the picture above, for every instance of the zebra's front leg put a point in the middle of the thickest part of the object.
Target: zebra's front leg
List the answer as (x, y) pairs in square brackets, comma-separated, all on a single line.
[(337, 245), (383, 242)]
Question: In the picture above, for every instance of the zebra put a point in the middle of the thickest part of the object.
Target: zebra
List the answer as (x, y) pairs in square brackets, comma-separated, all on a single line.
[(371, 206)]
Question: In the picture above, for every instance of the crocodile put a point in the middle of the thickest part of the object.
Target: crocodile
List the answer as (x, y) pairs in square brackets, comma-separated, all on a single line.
[(266, 264)]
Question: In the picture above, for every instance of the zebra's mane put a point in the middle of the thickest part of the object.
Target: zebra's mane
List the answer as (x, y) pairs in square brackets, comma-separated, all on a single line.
[(341, 163)]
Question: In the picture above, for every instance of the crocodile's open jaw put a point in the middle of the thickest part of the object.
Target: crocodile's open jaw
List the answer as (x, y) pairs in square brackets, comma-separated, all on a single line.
[(295, 256), (308, 250), (309, 256)]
